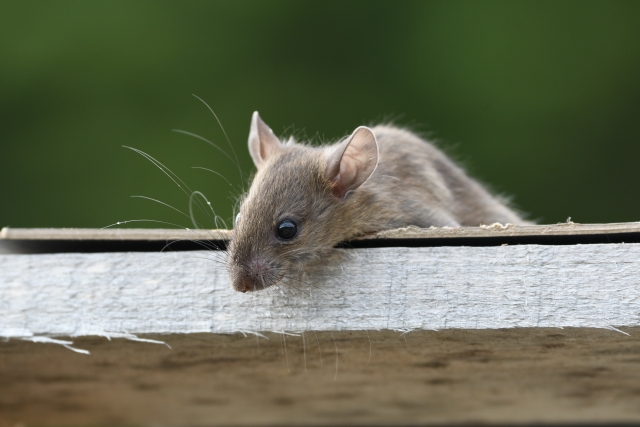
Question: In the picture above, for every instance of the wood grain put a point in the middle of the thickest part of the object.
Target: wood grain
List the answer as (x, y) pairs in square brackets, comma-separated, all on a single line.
[(358, 289), (488, 377), (562, 229), (390, 335)]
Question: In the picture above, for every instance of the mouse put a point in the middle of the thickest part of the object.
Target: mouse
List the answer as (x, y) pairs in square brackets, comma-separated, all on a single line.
[(304, 199)]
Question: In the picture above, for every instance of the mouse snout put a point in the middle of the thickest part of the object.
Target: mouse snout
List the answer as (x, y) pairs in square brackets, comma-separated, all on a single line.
[(244, 283), (256, 274)]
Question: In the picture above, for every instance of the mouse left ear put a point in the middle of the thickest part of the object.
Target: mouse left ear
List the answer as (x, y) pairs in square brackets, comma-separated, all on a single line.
[(351, 163), (262, 141)]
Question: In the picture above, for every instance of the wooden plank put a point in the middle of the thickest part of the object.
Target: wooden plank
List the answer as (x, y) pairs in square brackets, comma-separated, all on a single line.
[(349, 342), (358, 289), (562, 229), (497, 377), (8, 233)]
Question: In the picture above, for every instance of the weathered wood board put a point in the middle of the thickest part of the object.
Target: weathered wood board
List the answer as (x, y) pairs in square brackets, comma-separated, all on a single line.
[(360, 289), (515, 376), (378, 335), (492, 230)]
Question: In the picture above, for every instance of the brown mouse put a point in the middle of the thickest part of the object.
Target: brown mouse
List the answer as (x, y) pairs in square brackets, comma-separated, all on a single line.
[(304, 200)]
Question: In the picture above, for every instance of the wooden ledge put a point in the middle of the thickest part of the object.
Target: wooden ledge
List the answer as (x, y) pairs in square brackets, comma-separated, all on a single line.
[(526, 333), (139, 234), (60, 240), (561, 229)]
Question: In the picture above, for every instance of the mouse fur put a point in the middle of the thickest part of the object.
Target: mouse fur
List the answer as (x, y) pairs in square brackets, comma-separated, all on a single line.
[(376, 179)]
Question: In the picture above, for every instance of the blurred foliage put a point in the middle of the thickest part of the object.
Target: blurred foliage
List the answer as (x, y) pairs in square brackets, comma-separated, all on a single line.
[(539, 99)]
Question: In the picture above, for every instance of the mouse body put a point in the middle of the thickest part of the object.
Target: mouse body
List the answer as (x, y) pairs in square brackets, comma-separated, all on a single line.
[(304, 200)]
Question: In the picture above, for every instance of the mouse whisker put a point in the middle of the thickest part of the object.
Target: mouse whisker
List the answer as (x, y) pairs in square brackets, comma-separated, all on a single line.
[(142, 220), (215, 217), (204, 243), (162, 203), (290, 286), (201, 138), (175, 178), (225, 135), (219, 174), (313, 286)]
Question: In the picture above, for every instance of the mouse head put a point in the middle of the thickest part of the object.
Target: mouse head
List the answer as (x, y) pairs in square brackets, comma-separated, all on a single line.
[(297, 207)]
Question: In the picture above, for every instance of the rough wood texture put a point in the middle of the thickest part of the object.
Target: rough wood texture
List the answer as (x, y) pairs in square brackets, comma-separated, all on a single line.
[(563, 229), (511, 376), (493, 230), (534, 371), (358, 289), (109, 234)]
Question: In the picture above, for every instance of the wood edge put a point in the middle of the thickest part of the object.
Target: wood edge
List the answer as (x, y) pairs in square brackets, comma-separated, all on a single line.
[(123, 234), (409, 233), (499, 230)]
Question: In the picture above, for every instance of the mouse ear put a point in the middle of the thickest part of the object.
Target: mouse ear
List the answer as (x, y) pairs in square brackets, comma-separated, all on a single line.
[(351, 163), (262, 141)]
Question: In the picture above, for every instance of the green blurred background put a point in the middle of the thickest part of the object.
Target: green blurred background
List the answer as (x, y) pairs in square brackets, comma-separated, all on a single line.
[(538, 99)]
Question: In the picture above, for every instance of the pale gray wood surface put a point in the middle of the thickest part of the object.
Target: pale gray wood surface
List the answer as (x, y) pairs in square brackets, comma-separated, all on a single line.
[(363, 289), (8, 233)]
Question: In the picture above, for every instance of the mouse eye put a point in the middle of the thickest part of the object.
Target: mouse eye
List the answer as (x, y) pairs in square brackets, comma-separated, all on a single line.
[(287, 229)]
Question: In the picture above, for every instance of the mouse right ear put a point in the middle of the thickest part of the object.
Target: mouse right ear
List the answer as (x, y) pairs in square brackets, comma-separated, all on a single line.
[(262, 141), (351, 163)]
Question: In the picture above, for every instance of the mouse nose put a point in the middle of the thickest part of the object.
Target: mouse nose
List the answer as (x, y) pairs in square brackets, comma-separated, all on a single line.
[(243, 282), (247, 281), (252, 275)]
